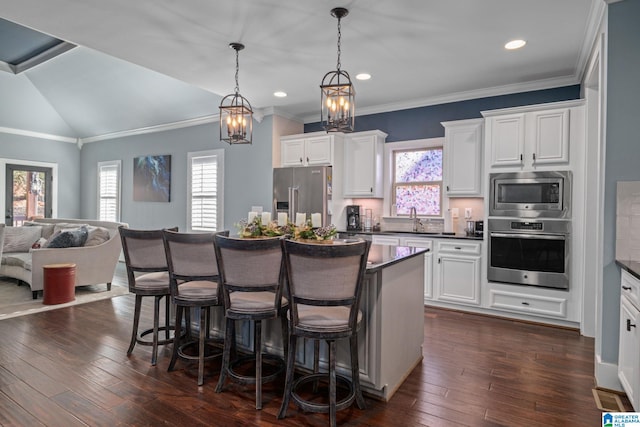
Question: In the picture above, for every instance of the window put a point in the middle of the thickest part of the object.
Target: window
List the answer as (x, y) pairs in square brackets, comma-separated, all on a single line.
[(205, 181), (417, 181), (109, 191)]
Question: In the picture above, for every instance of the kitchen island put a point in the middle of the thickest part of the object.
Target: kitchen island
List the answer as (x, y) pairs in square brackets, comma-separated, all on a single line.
[(392, 329)]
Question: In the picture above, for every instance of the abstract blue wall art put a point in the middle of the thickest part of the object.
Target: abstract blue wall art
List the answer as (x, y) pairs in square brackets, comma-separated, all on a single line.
[(152, 178)]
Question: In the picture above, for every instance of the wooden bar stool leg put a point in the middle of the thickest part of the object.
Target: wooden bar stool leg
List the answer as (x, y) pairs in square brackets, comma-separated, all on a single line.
[(176, 337), (156, 327), (226, 353), (203, 333), (288, 384), (167, 311), (136, 321), (332, 383), (355, 372), (257, 345)]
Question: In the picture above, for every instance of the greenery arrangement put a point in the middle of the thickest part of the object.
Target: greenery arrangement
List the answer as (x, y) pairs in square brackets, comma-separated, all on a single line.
[(256, 228)]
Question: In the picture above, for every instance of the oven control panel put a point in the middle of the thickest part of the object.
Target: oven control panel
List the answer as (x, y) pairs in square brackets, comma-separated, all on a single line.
[(519, 225)]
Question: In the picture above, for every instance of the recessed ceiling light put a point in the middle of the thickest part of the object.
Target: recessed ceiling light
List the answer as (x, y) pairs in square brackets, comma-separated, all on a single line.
[(280, 94), (363, 76), (515, 44)]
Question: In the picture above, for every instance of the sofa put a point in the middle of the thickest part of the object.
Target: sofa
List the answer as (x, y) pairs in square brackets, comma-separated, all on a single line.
[(94, 246)]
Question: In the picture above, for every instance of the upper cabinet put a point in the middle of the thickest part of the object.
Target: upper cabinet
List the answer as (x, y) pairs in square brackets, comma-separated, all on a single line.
[(463, 158), (531, 136), (363, 154), (307, 149)]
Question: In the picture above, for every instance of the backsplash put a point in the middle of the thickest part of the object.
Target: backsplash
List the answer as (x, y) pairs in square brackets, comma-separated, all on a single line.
[(628, 221)]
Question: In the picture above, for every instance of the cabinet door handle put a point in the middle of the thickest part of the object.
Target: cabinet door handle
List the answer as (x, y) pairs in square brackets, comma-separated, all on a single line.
[(371, 189), (447, 188), (630, 325), (458, 248), (438, 260), (626, 288), (534, 157), (524, 303), (307, 160), (520, 157), (300, 159)]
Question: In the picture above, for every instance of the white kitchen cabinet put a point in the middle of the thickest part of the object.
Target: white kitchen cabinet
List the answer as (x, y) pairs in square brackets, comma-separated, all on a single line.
[(457, 272), (629, 344), (529, 137), (463, 157), (311, 149), (418, 242), (385, 240), (363, 155)]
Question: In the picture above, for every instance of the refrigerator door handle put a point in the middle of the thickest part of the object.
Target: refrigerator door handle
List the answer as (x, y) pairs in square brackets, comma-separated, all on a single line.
[(293, 202)]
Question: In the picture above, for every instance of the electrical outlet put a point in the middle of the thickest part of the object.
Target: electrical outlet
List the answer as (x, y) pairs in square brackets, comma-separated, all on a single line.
[(467, 213), (455, 213)]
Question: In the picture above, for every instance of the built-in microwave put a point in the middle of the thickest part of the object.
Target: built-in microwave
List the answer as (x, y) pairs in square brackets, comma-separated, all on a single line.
[(530, 194)]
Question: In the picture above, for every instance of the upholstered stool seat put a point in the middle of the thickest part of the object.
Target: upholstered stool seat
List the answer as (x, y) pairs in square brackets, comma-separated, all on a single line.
[(251, 273), (324, 287), (147, 274)]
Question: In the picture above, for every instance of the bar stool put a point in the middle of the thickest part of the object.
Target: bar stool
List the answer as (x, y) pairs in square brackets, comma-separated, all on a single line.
[(193, 273), (148, 275), (251, 273), (324, 287)]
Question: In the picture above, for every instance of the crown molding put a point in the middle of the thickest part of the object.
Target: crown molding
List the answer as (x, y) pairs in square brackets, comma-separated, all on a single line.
[(41, 135), (596, 15), (464, 96)]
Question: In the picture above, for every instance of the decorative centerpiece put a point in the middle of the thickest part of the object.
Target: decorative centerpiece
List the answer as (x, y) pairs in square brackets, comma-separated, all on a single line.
[(256, 228), (307, 233)]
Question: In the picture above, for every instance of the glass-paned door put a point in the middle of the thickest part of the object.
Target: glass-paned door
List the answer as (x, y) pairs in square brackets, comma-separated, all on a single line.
[(28, 193)]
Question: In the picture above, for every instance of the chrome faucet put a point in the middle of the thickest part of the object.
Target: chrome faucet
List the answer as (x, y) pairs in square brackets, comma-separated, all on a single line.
[(413, 214)]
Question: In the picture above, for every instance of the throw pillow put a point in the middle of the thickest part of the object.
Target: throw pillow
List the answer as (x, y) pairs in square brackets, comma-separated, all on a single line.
[(47, 228), (70, 238), (20, 239), (97, 236)]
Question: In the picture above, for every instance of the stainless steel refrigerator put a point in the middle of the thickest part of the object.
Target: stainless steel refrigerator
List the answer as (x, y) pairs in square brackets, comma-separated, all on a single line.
[(302, 190)]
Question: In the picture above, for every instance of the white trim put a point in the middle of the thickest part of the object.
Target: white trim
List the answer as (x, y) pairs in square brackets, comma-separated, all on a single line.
[(389, 148), (596, 14), (43, 57), (462, 96), (607, 375), (219, 154), (535, 107), (41, 135), (54, 184), (117, 163)]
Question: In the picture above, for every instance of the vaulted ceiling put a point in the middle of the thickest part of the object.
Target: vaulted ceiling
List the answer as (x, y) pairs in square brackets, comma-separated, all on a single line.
[(150, 62)]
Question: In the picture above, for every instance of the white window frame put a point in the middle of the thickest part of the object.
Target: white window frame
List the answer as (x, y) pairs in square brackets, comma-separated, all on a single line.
[(118, 165), (219, 154), (389, 149)]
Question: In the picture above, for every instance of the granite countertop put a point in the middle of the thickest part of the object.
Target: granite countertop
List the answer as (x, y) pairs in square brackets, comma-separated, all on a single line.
[(632, 267), (381, 256), (430, 234)]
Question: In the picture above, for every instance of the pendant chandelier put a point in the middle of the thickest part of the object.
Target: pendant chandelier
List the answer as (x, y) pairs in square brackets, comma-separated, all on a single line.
[(236, 116), (337, 109)]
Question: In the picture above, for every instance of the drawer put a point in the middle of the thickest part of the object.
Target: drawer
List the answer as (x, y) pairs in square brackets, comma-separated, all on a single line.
[(417, 242), (630, 288), (528, 304), (453, 247), (386, 240)]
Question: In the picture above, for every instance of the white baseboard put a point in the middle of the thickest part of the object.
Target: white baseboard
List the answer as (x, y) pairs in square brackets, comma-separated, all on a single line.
[(607, 375)]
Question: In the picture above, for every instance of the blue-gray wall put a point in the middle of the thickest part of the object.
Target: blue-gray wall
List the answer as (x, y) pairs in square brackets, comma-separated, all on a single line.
[(622, 152), (66, 155), (424, 122), (247, 178)]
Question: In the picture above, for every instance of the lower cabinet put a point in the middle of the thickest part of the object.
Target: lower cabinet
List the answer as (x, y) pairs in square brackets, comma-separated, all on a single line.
[(457, 272), (629, 346), (428, 262)]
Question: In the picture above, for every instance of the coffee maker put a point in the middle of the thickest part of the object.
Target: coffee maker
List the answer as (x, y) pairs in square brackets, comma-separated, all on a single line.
[(353, 218)]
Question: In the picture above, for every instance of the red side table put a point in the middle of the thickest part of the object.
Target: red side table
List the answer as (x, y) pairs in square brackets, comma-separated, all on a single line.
[(59, 283)]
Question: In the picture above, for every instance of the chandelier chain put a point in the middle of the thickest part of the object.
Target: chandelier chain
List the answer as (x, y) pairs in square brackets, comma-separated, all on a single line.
[(237, 68), (339, 37)]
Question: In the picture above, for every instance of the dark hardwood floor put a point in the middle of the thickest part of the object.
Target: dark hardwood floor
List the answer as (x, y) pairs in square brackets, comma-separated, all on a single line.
[(69, 367)]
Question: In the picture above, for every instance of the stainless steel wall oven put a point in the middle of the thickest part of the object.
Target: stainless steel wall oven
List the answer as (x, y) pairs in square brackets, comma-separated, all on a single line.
[(530, 252)]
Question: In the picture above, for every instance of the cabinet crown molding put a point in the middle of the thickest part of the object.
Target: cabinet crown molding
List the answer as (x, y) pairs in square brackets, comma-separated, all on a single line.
[(535, 107)]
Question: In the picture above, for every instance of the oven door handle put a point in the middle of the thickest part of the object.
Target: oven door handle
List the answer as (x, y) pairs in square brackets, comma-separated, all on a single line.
[(530, 236)]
